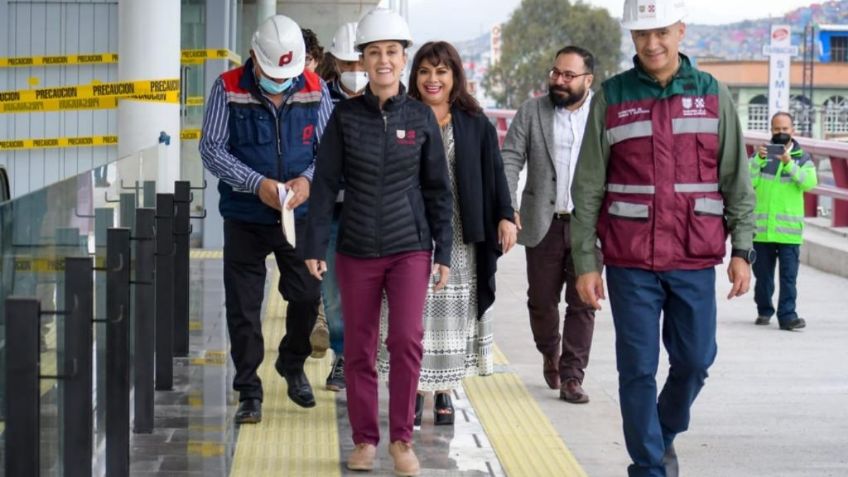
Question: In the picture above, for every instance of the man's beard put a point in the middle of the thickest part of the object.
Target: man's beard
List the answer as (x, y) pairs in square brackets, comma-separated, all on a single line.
[(572, 98)]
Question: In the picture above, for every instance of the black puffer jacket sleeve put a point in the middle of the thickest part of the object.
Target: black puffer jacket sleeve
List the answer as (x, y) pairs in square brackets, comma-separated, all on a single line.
[(325, 186)]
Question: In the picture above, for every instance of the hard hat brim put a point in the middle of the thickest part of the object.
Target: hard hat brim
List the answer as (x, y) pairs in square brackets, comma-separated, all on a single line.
[(648, 24), (271, 70), (345, 57), (404, 43)]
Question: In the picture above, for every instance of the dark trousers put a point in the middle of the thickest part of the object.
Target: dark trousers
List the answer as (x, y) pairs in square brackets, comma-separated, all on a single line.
[(245, 248), (686, 300), (549, 267), (362, 281), (788, 257)]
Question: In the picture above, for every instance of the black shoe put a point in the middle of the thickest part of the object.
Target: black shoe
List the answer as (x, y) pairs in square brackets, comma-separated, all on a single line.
[(672, 468), (762, 320), (795, 324), (300, 391), (249, 411), (419, 408), (336, 380), (442, 409)]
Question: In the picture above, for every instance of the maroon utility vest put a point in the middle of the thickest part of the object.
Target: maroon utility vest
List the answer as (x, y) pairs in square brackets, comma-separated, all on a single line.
[(662, 209)]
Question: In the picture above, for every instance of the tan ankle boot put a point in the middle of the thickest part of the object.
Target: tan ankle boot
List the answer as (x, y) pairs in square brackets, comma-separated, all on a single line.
[(362, 457), (406, 463)]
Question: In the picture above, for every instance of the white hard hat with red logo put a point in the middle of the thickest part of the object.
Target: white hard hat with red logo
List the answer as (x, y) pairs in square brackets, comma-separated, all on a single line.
[(278, 47), (651, 14), (344, 43), (381, 24)]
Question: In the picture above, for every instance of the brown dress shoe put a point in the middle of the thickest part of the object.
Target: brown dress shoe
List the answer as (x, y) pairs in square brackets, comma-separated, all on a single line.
[(571, 391), (362, 457), (406, 463), (550, 369)]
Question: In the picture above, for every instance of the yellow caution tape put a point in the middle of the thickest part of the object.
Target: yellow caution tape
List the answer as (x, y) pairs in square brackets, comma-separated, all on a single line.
[(194, 101), (58, 60), (188, 57), (109, 102), (77, 141), (120, 89), (46, 264), (190, 134)]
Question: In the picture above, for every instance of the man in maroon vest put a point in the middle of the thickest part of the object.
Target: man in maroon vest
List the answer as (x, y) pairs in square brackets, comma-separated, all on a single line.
[(661, 178)]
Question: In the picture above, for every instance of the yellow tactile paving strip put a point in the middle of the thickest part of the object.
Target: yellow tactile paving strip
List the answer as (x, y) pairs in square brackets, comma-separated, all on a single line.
[(204, 254), (290, 440), (525, 442)]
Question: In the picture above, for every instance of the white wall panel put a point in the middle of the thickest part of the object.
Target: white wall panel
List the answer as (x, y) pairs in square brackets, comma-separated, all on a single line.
[(34, 28)]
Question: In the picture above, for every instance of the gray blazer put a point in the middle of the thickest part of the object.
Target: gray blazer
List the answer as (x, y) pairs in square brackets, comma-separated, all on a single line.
[(530, 139)]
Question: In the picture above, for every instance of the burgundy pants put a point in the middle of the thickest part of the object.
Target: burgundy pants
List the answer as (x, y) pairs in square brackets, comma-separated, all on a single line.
[(549, 266), (404, 277)]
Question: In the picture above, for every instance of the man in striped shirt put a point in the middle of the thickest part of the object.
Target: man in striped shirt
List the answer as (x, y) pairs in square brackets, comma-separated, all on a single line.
[(260, 134)]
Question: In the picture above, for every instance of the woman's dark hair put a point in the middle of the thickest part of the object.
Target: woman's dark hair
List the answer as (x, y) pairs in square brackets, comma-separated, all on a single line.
[(327, 68), (313, 47), (443, 53)]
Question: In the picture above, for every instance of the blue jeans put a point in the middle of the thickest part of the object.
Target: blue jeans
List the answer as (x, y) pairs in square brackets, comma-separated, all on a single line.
[(330, 293), (686, 300), (788, 256)]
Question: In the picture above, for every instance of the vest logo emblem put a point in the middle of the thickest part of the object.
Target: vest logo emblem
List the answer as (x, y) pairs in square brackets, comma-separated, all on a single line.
[(405, 137), (286, 59), (694, 106), (308, 132)]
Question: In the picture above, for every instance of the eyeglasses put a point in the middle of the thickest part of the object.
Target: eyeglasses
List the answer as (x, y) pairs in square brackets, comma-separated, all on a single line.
[(567, 76)]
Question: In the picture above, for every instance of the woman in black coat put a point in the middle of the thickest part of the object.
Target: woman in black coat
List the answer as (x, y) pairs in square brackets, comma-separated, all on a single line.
[(457, 330)]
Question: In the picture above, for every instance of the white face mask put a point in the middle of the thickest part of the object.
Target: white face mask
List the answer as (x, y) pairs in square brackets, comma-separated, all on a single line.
[(354, 80)]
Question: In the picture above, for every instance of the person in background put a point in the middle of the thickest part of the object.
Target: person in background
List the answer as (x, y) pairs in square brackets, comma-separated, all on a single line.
[(255, 142), (395, 227), (457, 327), (546, 135), (780, 182), (661, 177), (314, 50)]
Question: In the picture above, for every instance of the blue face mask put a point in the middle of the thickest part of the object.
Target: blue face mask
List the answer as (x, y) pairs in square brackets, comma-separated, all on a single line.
[(272, 87)]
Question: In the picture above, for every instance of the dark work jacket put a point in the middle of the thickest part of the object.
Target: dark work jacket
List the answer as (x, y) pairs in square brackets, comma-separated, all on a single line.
[(483, 196), (397, 190)]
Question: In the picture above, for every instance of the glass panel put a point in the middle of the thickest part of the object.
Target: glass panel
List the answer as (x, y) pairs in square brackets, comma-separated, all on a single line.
[(37, 231)]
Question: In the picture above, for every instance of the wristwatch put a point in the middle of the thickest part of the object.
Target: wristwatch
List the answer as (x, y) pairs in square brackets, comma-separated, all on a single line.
[(749, 255)]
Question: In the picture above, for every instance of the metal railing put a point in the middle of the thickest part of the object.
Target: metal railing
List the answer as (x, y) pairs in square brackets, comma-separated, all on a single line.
[(833, 151)]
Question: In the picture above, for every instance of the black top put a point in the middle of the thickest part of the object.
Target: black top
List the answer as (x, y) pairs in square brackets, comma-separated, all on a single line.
[(483, 195), (397, 190)]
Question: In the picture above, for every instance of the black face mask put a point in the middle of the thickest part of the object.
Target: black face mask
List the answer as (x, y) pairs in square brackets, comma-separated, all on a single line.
[(781, 138)]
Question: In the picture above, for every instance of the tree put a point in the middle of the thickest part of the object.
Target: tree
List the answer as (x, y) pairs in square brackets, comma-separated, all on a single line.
[(531, 38)]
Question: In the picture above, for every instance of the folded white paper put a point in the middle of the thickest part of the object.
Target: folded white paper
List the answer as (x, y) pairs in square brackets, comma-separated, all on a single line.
[(288, 214)]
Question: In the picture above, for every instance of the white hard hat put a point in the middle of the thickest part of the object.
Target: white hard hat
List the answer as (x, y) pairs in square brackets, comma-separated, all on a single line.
[(382, 24), (278, 47), (650, 14), (344, 43)]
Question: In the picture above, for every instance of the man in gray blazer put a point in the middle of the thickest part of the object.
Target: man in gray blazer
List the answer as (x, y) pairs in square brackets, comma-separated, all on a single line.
[(546, 134)]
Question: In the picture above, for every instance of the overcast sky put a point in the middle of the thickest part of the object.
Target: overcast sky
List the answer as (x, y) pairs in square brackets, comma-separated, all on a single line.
[(455, 20)]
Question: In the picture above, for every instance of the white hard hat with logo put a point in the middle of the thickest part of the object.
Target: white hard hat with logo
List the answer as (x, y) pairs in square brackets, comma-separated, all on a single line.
[(278, 47), (344, 43), (382, 24), (651, 14)]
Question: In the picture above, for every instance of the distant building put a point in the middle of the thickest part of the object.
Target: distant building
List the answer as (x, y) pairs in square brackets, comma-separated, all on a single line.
[(828, 107)]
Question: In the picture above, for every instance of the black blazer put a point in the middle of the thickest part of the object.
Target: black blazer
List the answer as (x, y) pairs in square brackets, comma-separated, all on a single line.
[(483, 195)]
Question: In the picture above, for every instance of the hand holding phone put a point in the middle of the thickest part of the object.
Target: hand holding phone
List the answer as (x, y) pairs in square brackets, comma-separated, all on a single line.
[(775, 150)]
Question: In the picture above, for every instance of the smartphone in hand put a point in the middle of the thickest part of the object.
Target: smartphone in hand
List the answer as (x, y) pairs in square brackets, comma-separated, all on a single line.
[(775, 150)]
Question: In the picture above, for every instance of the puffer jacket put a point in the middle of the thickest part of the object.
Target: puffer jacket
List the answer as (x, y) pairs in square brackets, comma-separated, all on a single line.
[(397, 190)]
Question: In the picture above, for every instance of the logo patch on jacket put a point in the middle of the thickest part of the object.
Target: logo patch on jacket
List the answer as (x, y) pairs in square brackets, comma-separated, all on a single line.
[(308, 132), (405, 137), (693, 106)]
